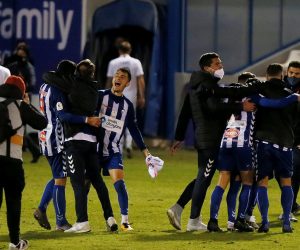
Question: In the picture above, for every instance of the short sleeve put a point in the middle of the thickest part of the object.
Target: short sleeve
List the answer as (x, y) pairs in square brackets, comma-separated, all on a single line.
[(110, 70), (139, 68)]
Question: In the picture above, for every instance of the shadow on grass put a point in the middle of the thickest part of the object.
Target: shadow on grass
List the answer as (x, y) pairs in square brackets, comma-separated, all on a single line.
[(41, 235), (277, 222), (205, 236)]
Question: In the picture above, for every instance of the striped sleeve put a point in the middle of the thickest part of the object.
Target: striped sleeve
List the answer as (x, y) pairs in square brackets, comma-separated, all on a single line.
[(133, 128)]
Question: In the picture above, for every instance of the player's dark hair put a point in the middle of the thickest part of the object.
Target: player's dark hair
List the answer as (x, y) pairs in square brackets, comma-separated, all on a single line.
[(127, 71), (124, 47), (85, 69), (66, 67), (206, 59), (243, 77), (294, 64), (274, 69)]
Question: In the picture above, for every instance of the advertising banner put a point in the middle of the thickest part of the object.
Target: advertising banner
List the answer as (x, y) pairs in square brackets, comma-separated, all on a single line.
[(52, 29)]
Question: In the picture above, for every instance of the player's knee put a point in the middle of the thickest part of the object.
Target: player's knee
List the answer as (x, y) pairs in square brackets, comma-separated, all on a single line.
[(285, 182), (247, 178), (61, 181), (116, 175), (224, 179), (263, 182)]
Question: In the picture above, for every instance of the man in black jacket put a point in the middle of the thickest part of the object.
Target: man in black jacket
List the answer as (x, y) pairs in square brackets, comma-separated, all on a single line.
[(11, 172), (81, 149), (292, 81), (209, 115), (274, 147)]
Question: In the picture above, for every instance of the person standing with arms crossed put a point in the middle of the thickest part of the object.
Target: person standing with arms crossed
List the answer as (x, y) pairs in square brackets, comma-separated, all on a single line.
[(135, 92)]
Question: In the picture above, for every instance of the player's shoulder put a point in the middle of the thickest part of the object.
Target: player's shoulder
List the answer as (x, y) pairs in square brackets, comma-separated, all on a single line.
[(127, 101), (135, 60), (115, 61), (55, 93), (43, 86), (112, 64), (103, 92)]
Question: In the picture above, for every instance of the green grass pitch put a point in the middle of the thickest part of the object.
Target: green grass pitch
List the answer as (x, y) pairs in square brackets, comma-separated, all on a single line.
[(148, 202)]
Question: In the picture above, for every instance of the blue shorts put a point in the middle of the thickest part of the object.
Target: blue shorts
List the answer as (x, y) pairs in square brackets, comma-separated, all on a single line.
[(111, 162), (273, 158), (58, 168), (235, 159)]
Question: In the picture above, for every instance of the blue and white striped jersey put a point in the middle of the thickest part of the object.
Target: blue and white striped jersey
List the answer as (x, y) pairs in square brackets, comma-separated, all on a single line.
[(239, 131), (240, 127), (116, 113), (54, 105), (51, 138)]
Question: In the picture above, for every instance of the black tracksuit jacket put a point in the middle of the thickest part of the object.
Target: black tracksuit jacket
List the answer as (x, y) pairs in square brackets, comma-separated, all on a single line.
[(208, 112)]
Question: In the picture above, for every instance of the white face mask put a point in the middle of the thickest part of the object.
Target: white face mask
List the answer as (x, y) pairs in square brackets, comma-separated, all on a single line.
[(219, 73)]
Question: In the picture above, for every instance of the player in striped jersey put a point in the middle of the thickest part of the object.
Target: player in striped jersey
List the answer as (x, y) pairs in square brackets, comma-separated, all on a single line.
[(236, 155), (117, 114), (235, 184), (51, 141)]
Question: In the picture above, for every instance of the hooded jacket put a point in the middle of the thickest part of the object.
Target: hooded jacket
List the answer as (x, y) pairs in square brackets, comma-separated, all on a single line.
[(82, 96)]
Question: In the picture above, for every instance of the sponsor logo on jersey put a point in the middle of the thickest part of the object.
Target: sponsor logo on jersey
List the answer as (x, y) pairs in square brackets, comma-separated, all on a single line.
[(231, 133), (43, 136), (112, 124)]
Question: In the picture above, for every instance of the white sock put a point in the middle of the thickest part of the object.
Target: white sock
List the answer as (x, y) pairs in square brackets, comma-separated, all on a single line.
[(124, 218)]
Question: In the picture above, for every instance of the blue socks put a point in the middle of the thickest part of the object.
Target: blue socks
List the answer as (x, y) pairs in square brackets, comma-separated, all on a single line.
[(122, 196), (59, 202), (252, 201), (215, 202), (47, 196), (263, 203), (244, 200), (287, 197), (231, 199)]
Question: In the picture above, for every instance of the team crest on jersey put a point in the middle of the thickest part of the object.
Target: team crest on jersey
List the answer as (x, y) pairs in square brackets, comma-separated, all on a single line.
[(231, 133), (43, 136), (59, 106), (103, 119)]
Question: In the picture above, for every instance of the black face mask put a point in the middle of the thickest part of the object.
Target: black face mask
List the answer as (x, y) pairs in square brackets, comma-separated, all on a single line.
[(293, 81)]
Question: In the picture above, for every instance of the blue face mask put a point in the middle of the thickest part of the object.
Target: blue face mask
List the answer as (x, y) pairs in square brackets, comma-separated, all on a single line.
[(292, 81)]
